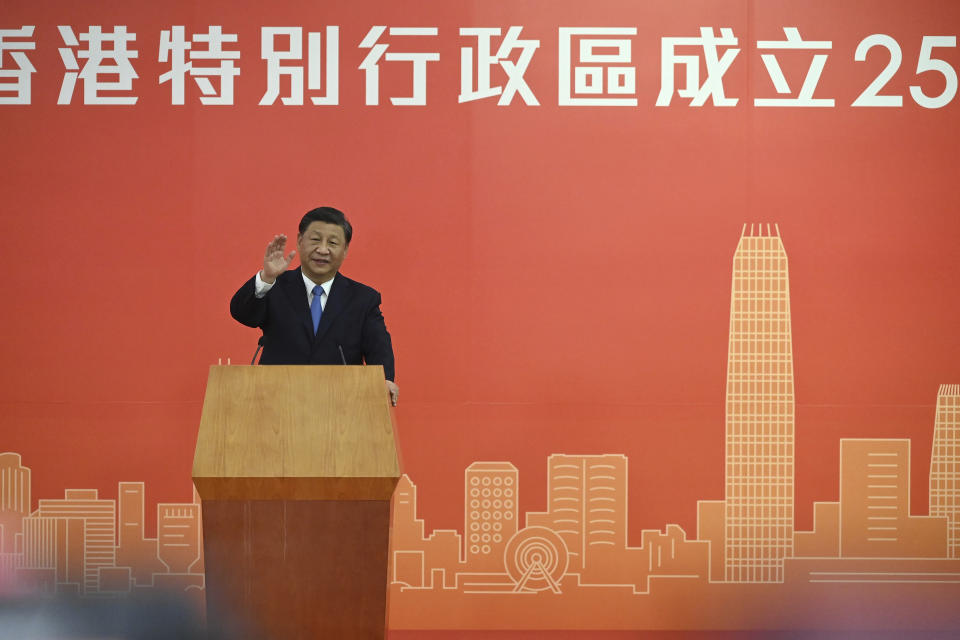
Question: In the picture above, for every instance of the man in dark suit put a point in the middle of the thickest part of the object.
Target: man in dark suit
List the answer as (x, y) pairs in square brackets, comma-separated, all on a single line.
[(314, 314)]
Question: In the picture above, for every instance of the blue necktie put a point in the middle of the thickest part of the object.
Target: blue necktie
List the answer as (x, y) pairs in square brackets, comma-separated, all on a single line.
[(315, 309)]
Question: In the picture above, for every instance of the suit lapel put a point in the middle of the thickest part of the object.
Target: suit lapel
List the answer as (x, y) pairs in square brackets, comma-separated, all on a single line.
[(340, 294), (296, 294)]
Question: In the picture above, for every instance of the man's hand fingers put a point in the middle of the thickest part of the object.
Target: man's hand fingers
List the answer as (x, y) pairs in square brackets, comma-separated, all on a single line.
[(277, 244), (394, 391)]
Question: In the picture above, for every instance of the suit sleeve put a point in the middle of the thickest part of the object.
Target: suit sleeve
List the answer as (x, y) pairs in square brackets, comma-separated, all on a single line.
[(246, 308), (377, 346)]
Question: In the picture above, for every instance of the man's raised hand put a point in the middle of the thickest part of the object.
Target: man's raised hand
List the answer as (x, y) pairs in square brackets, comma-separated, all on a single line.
[(275, 261)]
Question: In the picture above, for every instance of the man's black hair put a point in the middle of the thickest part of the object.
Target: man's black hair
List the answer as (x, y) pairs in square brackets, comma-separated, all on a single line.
[(330, 216)]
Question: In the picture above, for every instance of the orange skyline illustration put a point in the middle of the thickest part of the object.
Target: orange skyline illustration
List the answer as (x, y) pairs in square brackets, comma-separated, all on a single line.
[(866, 563), (86, 545), (746, 566)]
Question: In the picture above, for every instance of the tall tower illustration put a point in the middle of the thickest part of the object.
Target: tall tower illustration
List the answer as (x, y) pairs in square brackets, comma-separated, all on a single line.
[(490, 512), (758, 506), (945, 465)]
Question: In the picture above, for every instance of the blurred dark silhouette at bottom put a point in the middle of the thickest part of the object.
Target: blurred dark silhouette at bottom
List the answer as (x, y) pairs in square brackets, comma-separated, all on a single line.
[(139, 617)]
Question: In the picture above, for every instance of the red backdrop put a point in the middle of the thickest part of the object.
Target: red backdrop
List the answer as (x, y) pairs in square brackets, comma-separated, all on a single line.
[(556, 278)]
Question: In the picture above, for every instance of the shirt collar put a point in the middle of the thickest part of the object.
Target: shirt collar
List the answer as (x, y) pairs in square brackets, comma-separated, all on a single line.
[(310, 284)]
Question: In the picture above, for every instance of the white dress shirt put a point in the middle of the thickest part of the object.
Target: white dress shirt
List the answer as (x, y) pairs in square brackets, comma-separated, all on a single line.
[(261, 288)]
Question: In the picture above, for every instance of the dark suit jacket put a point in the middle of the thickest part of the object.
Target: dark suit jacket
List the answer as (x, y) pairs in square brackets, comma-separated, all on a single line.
[(351, 320)]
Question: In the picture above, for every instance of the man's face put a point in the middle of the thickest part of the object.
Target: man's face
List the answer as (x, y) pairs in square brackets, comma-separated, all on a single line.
[(322, 248)]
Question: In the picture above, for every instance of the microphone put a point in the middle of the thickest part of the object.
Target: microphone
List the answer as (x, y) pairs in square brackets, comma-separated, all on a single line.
[(342, 357), (257, 352)]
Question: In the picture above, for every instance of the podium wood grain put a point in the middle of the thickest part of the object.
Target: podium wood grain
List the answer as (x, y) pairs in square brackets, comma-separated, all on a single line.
[(295, 467)]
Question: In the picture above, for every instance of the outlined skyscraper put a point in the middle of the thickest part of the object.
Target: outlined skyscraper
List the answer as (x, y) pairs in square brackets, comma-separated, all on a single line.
[(758, 504), (14, 499), (134, 549), (80, 528), (490, 512), (587, 507), (178, 536), (945, 465), (875, 519)]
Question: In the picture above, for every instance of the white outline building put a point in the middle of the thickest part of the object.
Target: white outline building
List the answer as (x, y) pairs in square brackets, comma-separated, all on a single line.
[(587, 507), (758, 505), (14, 499), (490, 513), (84, 517)]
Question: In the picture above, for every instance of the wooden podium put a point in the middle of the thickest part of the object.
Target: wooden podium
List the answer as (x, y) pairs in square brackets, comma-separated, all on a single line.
[(295, 467)]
